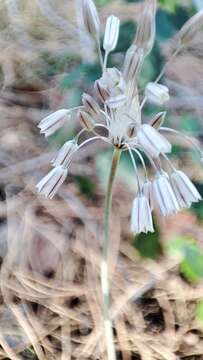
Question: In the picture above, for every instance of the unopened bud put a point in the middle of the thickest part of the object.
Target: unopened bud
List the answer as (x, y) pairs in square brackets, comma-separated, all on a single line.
[(158, 120), (91, 18), (132, 130), (146, 27), (111, 33), (132, 63), (101, 91), (90, 105), (86, 120), (191, 28), (156, 93)]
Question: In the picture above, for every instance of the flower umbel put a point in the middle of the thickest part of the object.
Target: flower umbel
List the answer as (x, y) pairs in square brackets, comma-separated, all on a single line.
[(116, 107)]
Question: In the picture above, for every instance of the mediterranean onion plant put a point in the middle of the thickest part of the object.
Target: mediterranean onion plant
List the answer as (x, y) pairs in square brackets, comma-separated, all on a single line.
[(116, 109)]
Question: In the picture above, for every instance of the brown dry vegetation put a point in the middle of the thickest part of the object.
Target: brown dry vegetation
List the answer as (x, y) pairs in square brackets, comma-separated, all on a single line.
[(50, 292)]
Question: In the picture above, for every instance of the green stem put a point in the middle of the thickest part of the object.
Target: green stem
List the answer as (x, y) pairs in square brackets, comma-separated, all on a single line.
[(108, 329)]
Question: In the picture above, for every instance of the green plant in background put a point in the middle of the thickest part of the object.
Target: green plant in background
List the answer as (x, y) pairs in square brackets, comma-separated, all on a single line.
[(191, 263), (169, 5)]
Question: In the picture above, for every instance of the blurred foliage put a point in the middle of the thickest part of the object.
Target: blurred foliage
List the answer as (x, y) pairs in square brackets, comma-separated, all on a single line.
[(200, 313), (190, 255), (86, 186), (148, 245), (191, 263), (197, 208), (169, 5)]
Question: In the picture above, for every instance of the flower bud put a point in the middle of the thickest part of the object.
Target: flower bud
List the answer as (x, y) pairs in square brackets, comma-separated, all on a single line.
[(156, 93), (191, 28), (90, 105), (90, 18), (132, 63), (86, 120), (111, 33), (158, 120), (146, 27)]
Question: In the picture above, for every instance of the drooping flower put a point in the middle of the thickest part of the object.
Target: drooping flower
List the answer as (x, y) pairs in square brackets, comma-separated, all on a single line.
[(53, 122), (163, 195), (64, 155), (141, 218), (156, 93), (50, 184), (185, 191), (152, 141)]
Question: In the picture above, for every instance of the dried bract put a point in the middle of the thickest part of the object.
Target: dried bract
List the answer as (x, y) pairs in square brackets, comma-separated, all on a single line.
[(91, 106), (158, 120), (86, 120)]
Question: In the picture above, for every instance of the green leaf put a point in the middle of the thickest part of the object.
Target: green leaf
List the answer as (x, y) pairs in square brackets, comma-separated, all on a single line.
[(169, 5), (190, 255), (197, 208), (86, 186), (148, 245), (200, 313)]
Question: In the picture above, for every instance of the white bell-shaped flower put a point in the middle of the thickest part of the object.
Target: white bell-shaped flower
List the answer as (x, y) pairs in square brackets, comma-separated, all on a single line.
[(163, 195), (185, 191), (141, 217), (50, 184)]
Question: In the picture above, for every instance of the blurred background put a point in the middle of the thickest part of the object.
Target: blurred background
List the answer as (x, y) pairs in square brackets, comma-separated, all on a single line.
[(50, 304)]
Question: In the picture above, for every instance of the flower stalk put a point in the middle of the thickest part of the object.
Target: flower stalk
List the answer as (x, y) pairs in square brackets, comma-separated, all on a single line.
[(108, 328)]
